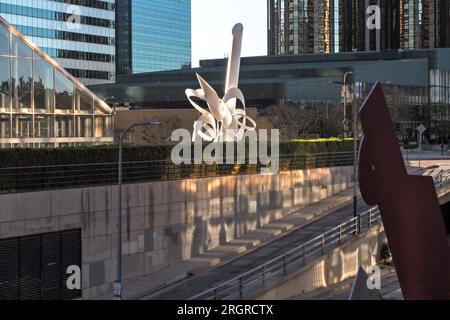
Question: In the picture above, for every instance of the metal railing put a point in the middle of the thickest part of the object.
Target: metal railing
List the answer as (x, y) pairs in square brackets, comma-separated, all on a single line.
[(256, 278), (22, 179), (278, 267), (441, 178)]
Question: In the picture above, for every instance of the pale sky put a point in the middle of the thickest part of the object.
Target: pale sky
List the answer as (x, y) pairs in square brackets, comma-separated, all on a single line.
[(212, 21)]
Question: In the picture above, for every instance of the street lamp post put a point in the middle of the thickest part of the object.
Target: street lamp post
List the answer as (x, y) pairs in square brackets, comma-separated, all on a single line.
[(346, 89), (355, 142), (355, 155), (345, 122), (349, 88), (117, 286)]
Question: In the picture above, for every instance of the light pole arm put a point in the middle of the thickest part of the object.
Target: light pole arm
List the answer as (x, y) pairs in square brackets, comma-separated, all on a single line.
[(117, 288), (125, 133)]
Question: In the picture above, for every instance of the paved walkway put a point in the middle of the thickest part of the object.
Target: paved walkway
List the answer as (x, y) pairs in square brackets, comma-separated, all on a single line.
[(258, 256), (196, 275), (232, 250), (390, 288), (412, 155), (303, 228)]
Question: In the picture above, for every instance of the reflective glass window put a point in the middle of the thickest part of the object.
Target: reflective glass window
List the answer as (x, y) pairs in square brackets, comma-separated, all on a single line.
[(63, 92), (21, 82), (4, 83), (4, 41), (85, 124), (83, 101), (102, 126), (43, 126), (20, 49), (160, 35), (98, 108), (5, 126), (64, 126), (22, 126), (43, 86)]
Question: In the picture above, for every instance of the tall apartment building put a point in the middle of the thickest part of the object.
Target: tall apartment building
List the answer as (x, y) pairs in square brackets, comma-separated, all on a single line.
[(327, 26), (78, 34), (153, 35)]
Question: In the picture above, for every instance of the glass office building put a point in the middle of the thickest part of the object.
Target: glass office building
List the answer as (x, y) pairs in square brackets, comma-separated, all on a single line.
[(41, 104), (153, 35), (416, 84), (78, 34), (332, 26), (297, 26)]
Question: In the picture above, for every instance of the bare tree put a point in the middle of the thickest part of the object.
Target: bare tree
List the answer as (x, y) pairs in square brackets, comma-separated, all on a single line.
[(294, 121), (161, 133)]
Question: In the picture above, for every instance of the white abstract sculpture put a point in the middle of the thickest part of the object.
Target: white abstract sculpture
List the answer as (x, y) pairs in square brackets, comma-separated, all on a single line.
[(224, 122)]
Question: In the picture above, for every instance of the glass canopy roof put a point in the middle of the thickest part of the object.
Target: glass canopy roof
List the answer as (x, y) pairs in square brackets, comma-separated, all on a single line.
[(41, 104)]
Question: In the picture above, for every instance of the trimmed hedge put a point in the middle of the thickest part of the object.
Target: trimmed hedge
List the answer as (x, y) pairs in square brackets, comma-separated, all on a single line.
[(303, 147), (18, 170), (80, 155), (109, 154)]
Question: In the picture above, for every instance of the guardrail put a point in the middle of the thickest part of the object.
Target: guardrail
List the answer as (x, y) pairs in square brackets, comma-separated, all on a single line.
[(22, 179), (280, 266), (441, 178)]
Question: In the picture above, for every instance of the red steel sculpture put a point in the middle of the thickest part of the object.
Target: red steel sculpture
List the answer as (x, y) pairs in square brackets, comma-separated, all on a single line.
[(409, 206)]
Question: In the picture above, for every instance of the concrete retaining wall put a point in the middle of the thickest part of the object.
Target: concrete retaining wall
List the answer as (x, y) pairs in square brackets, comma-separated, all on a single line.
[(163, 222), (331, 269)]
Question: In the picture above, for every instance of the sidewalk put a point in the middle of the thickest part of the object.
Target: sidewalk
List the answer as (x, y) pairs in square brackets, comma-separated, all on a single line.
[(234, 249), (415, 155), (390, 288), (294, 220)]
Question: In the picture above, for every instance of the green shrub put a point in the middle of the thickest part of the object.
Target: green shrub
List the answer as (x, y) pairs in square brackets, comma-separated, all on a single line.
[(316, 146), (108, 154), (293, 155)]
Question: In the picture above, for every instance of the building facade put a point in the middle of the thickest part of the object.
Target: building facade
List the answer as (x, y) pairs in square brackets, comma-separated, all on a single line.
[(78, 34), (332, 26), (41, 104), (416, 83), (153, 35)]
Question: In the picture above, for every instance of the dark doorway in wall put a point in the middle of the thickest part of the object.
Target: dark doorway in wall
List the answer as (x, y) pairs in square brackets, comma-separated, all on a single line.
[(35, 267)]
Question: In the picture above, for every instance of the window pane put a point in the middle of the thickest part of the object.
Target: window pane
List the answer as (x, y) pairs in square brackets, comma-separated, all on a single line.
[(63, 91), (22, 126), (4, 41), (20, 49), (43, 85), (5, 126), (83, 101), (4, 83), (98, 108), (85, 127), (43, 126), (21, 82), (102, 126), (64, 127)]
